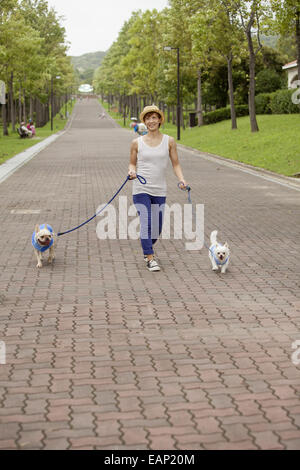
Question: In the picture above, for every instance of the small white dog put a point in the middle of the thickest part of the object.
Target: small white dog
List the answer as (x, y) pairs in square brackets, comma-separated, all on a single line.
[(43, 240), (218, 254)]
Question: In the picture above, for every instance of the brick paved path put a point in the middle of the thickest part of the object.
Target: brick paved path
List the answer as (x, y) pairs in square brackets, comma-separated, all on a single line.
[(102, 354)]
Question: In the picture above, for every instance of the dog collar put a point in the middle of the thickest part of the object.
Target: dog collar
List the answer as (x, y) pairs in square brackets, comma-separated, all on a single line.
[(36, 245)]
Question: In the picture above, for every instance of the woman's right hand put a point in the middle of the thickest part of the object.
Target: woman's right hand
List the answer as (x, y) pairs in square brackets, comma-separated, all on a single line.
[(132, 174)]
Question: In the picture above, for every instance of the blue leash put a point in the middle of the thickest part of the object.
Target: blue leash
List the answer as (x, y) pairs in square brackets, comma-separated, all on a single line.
[(141, 180), (188, 189)]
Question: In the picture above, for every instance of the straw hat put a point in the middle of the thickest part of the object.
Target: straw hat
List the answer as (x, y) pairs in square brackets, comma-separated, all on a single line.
[(152, 109)]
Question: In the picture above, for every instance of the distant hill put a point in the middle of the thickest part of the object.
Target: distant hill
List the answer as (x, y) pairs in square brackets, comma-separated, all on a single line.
[(91, 60), (270, 41), (286, 45), (86, 64)]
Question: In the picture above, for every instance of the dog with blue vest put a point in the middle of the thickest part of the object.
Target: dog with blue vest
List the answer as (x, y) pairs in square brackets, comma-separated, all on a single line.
[(43, 240), (218, 254)]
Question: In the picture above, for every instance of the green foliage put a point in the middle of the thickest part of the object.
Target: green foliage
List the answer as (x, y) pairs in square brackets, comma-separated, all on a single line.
[(141, 59), (288, 21), (267, 81), (286, 11), (270, 40), (224, 113), (210, 34), (86, 76), (32, 45), (281, 103), (215, 87), (262, 103), (114, 76), (287, 46), (33, 50), (45, 20), (271, 59)]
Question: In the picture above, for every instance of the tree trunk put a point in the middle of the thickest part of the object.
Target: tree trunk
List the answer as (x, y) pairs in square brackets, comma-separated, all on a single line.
[(231, 95), (31, 107), (252, 113), (124, 109), (136, 106), (4, 119), (24, 106), (49, 109), (130, 106), (199, 99), (8, 109), (37, 115), (298, 40), (182, 117), (11, 97), (173, 115), (20, 106), (46, 111)]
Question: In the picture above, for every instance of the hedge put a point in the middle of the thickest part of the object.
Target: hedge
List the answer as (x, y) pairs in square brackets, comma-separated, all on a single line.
[(262, 103), (224, 113), (279, 102)]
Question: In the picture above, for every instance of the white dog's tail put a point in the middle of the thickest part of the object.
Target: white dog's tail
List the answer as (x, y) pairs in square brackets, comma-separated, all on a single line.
[(213, 237)]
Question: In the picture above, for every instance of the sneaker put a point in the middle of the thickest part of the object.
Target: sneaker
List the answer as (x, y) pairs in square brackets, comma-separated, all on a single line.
[(152, 265)]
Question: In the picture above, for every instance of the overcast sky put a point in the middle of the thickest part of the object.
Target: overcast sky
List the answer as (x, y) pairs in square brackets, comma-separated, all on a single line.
[(93, 25)]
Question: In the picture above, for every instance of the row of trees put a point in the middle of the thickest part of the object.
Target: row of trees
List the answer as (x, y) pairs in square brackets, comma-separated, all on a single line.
[(33, 61), (220, 53)]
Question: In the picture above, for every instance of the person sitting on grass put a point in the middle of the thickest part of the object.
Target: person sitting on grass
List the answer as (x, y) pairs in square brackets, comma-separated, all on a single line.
[(23, 131), (30, 127)]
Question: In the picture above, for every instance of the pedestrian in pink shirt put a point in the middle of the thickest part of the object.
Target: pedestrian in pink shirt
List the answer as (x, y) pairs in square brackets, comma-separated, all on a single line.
[(30, 127)]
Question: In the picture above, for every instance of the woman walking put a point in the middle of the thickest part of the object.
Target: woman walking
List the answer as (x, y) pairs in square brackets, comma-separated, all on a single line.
[(151, 153)]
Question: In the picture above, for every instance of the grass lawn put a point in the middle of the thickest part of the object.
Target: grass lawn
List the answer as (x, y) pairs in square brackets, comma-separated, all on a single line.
[(276, 147), (12, 144)]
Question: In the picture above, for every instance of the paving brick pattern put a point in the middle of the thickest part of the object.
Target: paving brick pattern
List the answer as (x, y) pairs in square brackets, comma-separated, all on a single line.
[(102, 354)]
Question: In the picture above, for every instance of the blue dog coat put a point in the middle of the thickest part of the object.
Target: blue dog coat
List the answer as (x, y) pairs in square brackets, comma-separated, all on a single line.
[(35, 243), (212, 250)]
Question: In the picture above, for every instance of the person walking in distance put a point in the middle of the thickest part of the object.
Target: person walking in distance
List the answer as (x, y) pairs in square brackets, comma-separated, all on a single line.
[(149, 156)]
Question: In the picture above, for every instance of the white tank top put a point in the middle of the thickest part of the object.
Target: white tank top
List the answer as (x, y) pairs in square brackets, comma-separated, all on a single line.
[(152, 164)]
